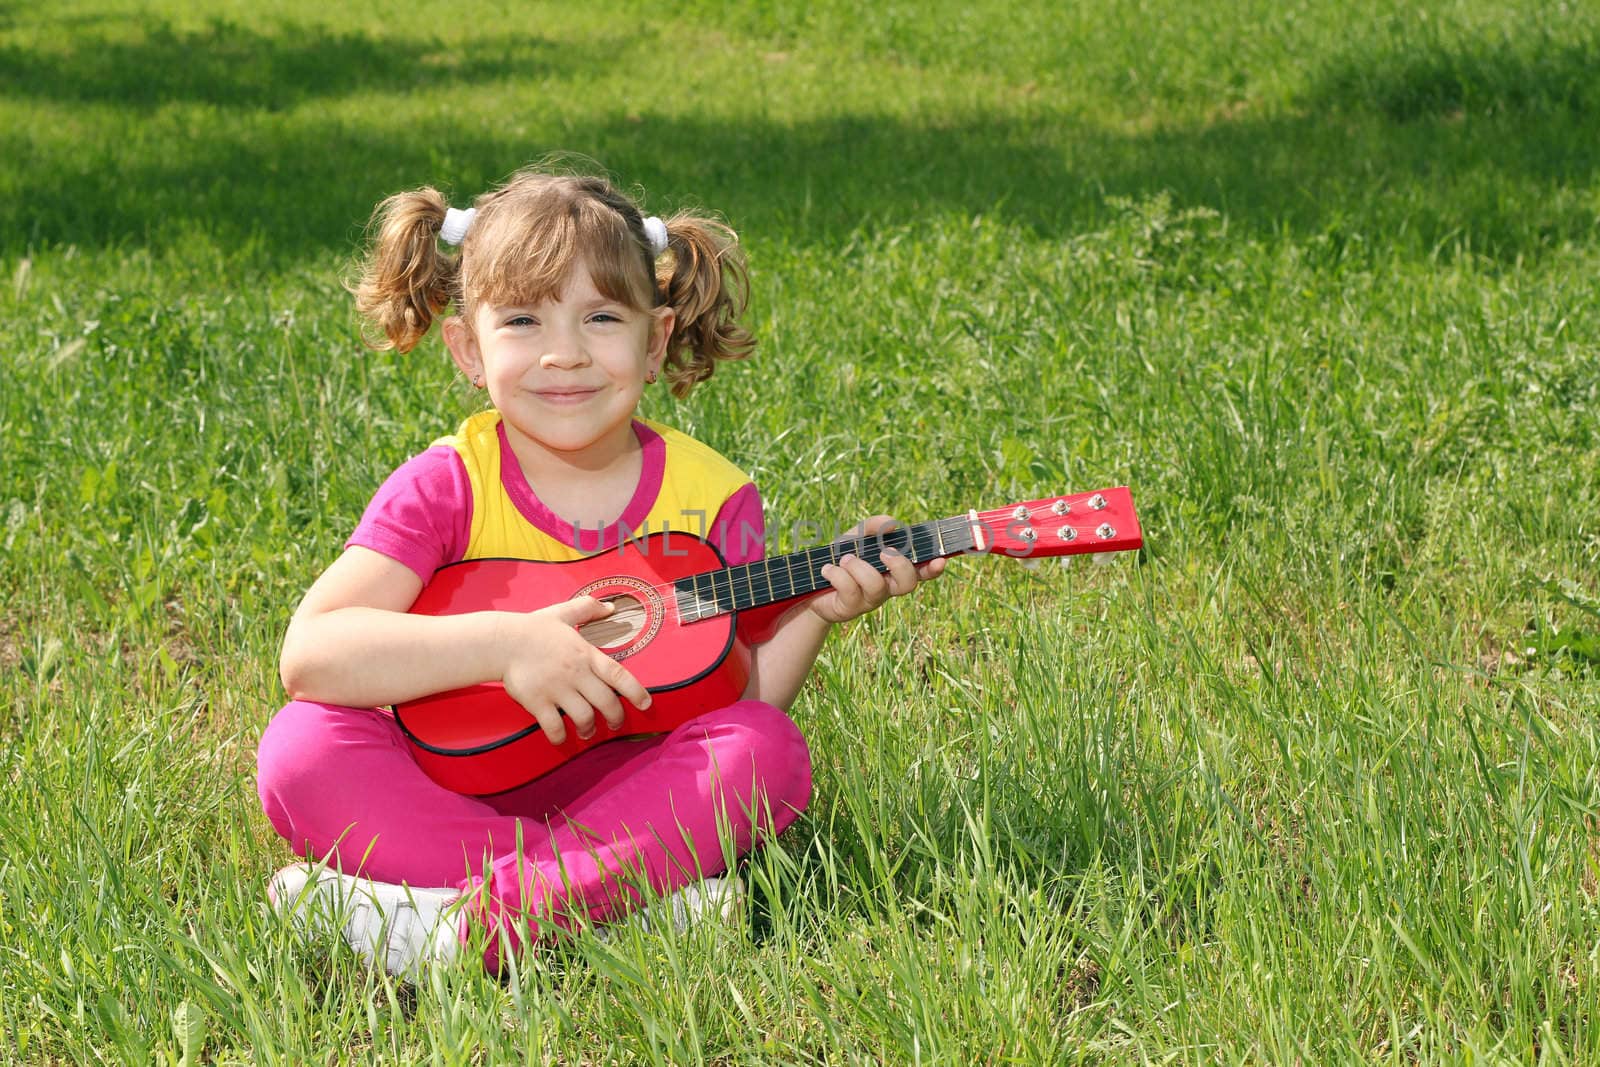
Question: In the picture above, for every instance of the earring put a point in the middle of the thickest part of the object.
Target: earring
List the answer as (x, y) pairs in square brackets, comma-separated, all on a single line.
[(650, 379), (477, 381)]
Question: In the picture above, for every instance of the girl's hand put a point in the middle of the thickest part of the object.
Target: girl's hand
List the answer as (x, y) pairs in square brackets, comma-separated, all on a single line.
[(550, 668), (858, 587)]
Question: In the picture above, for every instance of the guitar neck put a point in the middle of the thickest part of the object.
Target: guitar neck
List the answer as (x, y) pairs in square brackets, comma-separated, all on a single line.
[(798, 574), (1102, 521)]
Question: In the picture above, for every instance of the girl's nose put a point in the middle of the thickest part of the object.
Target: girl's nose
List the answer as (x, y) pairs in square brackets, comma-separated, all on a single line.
[(564, 353)]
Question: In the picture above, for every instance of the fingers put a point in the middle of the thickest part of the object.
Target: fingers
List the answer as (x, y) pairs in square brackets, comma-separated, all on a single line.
[(579, 610), (609, 686), (620, 680), (857, 586), (902, 573), (601, 699), (579, 712), (576, 711), (563, 681), (564, 706), (600, 692), (550, 721)]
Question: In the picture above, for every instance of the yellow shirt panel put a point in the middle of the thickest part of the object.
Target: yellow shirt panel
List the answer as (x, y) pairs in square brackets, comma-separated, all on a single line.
[(692, 481)]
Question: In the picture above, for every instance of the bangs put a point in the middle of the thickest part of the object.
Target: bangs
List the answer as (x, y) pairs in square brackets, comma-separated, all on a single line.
[(527, 247)]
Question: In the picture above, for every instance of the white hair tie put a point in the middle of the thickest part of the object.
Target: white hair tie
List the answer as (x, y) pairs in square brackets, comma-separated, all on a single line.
[(656, 231), (456, 224)]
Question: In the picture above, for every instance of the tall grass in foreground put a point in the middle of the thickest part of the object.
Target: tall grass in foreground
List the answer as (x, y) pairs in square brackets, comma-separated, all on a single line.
[(1312, 779)]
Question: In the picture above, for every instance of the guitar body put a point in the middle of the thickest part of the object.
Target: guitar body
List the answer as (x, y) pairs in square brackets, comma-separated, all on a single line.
[(676, 622), (479, 741)]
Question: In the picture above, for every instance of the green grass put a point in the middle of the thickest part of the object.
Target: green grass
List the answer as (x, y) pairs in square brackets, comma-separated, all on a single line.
[(1316, 778)]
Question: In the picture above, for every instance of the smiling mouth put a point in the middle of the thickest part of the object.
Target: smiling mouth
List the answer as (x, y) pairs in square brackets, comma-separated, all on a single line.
[(565, 396)]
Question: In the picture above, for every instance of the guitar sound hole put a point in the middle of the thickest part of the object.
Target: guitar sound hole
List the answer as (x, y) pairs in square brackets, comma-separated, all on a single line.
[(620, 627)]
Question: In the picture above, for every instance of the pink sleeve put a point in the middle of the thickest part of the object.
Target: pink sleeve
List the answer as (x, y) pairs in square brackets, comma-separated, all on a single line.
[(422, 515), (739, 533), (739, 530)]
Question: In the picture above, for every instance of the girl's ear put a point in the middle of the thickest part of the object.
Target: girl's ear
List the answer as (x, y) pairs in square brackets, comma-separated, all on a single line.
[(463, 346), (662, 321)]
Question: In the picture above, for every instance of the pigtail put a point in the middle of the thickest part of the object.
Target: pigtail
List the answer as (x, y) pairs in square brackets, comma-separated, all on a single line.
[(704, 281), (406, 281)]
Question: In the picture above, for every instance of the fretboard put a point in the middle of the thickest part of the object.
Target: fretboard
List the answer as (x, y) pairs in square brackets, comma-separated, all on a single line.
[(770, 581)]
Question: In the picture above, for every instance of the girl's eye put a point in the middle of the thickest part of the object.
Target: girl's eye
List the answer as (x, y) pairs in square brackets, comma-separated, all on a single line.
[(520, 320), (604, 316)]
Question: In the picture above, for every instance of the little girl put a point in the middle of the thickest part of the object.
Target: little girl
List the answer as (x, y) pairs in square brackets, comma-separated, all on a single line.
[(568, 304)]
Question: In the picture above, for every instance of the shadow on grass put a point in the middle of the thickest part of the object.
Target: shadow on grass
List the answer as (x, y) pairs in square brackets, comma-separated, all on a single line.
[(1484, 147), (1528, 79), (237, 67)]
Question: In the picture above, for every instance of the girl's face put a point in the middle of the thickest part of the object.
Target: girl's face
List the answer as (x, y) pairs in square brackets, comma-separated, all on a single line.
[(566, 374)]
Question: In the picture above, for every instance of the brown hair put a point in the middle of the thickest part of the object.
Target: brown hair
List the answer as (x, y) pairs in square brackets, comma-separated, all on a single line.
[(522, 245)]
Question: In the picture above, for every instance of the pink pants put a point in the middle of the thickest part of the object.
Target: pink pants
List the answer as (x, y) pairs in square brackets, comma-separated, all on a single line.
[(339, 784)]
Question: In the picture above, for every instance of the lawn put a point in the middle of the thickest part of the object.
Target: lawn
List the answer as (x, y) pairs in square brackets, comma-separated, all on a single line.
[(1313, 778)]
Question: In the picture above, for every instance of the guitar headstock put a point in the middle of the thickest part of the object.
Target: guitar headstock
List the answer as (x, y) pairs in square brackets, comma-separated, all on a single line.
[(1099, 521)]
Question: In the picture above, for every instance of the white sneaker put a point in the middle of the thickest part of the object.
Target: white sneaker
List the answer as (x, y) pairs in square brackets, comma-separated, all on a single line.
[(402, 927), (717, 899)]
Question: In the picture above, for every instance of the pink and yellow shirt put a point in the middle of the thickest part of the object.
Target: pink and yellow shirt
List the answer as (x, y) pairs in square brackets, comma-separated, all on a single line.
[(466, 498)]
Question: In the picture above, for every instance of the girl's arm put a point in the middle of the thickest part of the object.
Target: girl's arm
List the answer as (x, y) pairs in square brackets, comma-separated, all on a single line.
[(352, 642), (779, 667)]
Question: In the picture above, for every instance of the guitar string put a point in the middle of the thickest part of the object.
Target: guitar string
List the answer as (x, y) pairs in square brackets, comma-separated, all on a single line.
[(780, 590), (819, 554), (829, 554)]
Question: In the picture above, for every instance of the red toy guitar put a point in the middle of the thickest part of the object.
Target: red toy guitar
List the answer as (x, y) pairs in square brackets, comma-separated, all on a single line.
[(674, 624)]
